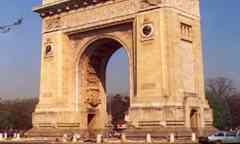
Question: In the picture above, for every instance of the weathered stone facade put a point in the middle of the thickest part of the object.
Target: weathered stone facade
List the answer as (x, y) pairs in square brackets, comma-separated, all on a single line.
[(162, 39)]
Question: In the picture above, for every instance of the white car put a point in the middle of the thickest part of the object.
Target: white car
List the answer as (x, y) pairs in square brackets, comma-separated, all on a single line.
[(222, 137)]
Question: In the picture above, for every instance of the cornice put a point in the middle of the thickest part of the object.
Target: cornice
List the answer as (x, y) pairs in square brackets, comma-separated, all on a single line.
[(61, 6)]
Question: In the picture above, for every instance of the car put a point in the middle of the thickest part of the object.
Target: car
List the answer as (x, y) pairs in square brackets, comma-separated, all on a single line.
[(232, 137), (221, 137)]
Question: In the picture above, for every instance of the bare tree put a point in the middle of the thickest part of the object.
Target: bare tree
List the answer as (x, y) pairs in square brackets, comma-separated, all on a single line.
[(221, 89), (235, 111), (8, 28)]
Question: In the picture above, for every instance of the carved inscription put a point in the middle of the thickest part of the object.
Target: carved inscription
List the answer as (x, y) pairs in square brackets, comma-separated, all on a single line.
[(106, 12), (147, 86), (47, 94)]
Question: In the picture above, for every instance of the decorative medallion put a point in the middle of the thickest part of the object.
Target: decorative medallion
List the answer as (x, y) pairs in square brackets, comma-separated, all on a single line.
[(48, 48), (147, 31)]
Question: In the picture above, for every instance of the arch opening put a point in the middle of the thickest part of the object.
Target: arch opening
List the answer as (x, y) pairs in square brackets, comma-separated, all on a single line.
[(92, 81), (194, 119), (117, 84)]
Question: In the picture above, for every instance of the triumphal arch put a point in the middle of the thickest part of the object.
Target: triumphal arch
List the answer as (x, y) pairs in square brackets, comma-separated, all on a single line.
[(162, 39)]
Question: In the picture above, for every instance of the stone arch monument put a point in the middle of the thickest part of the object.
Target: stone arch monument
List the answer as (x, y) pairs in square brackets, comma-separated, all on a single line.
[(162, 39)]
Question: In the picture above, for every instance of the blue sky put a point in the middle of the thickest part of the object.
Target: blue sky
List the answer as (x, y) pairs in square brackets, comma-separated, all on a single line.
[(20, 48)]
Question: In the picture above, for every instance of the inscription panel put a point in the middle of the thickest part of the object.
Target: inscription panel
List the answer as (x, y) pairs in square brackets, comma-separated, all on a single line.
[(148, 86), (189, 6), (89, 15)]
